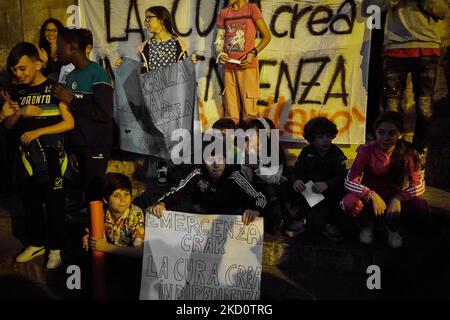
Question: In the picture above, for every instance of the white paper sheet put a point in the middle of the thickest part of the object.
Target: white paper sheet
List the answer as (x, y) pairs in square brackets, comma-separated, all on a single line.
[(311, 197)]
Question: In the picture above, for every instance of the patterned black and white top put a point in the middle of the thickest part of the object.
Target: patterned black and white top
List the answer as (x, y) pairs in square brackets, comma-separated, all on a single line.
[(162, 54)]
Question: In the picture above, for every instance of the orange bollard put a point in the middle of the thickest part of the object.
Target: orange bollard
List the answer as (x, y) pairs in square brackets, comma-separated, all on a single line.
[(98, 258)]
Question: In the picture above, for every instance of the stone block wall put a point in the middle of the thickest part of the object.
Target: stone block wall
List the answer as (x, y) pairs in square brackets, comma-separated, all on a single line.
[(20, 20)]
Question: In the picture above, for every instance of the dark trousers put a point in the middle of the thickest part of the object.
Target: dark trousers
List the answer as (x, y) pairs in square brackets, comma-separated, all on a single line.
[(413, 212), (424, 72), (44, 228), (275, 212), (92, 168), (325, 212), (46, 186)]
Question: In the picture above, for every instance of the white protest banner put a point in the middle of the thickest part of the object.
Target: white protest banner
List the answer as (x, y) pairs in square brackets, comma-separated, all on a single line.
[(169, 96), (136, 130), (201, 257), (316, 64)]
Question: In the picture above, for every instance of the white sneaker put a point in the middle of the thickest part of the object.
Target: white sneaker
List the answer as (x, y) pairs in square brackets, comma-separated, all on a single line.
[(54, 259), (30, 253), (366, 235), (394, 239)]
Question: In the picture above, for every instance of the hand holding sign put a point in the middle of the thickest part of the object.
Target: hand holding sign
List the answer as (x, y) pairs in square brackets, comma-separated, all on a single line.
[(249, 215), (157, 209)]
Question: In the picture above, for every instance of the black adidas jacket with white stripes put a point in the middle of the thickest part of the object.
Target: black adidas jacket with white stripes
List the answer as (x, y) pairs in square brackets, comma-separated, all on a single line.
[(231, 194)]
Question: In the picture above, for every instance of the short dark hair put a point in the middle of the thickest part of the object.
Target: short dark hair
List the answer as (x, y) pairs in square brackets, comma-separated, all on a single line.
[(22, 49), (113, 181), (319, 125), (224, 123), (88, 37), (77, 38)]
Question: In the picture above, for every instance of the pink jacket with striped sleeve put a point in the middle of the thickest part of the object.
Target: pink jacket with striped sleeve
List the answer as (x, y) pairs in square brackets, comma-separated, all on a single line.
[(370, 172)]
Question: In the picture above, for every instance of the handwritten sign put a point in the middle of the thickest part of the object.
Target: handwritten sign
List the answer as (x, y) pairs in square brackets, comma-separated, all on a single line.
[(169, 96), (136, 130), (201, 257)]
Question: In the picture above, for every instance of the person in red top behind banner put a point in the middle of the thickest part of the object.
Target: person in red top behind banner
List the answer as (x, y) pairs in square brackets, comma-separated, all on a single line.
[(235, 48), (385, 181)]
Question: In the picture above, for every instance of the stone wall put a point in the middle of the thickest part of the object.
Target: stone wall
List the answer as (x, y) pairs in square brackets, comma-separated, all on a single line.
[(20, 20)]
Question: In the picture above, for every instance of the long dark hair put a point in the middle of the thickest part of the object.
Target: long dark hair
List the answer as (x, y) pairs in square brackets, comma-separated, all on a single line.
[(164, 15), (403, 150), (43, 42)]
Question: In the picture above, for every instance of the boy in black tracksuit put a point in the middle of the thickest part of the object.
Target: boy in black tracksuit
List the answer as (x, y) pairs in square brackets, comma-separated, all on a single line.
[(213, 188), (89, 93), (230, 194), (324, 164)]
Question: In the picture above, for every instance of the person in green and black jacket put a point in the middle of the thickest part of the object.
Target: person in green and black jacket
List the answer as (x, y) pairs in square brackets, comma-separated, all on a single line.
[(89, 93)]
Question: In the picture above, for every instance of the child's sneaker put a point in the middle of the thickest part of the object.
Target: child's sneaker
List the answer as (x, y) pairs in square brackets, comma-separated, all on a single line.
[(30, 253), (295, 228), (332, 233), (54, 259), (366, 235), (394, 239)]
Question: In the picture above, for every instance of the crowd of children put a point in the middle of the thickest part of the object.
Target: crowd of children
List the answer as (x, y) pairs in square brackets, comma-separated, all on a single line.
[(71, 124)]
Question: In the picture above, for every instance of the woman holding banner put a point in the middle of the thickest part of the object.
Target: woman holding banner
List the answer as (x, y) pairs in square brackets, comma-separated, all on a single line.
[(162, 50)]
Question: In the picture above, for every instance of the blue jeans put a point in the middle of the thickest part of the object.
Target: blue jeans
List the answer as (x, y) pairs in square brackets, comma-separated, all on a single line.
[(423, 71)]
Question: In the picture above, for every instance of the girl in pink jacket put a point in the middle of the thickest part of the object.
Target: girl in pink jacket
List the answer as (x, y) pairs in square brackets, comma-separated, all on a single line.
[(385, 181)]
